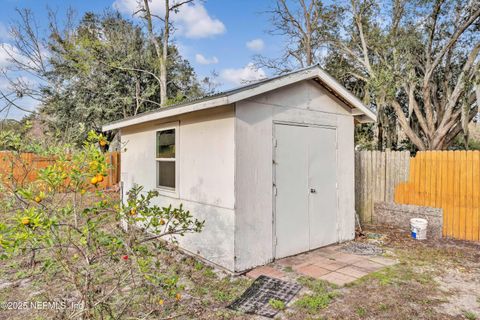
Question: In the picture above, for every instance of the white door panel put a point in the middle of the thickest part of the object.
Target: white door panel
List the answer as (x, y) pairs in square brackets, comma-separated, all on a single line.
[(305, 180), (291, 179), (322, 181)]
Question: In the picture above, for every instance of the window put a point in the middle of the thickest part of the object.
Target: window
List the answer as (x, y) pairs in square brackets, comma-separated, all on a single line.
[(165, 156)]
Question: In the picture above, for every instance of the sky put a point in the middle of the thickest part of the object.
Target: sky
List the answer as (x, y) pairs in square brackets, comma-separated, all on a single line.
[(214, 35)]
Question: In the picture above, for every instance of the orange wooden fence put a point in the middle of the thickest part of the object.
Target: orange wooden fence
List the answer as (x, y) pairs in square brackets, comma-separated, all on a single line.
[(448, 180), (26, 168)]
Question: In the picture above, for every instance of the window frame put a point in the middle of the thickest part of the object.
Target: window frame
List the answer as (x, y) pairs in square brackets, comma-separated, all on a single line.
[(163, 190)]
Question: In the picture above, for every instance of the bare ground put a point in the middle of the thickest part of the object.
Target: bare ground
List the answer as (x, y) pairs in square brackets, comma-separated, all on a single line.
[(435, 279)]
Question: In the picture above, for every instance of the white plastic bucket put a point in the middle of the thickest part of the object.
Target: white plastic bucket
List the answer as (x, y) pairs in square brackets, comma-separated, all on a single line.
[(418, 228)]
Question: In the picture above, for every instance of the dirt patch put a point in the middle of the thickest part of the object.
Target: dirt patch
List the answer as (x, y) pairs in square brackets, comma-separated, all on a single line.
[(462, 290), (435, 279)]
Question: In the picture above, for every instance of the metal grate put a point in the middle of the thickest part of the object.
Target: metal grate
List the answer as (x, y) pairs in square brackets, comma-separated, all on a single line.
[(255, 300)]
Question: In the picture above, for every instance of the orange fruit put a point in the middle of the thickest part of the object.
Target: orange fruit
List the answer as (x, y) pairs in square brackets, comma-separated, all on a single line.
[(94, 180), (25, 221), (99, 178), (162, 222), (38, 199), (102, 143), (133, 211)]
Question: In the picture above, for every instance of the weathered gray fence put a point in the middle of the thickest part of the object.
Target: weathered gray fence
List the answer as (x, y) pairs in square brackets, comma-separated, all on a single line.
[(376, 175)]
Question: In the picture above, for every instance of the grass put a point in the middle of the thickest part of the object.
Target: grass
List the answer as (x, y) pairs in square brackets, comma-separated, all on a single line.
[(277, 304), (361, 312), (390, 293), (288, 269), (469, 315), (322, 293)]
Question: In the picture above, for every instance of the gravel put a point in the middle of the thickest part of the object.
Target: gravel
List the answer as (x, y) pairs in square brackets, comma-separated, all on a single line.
[(360, 248)]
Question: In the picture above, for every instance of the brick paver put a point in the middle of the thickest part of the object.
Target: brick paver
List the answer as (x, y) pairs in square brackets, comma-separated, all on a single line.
[(347, 257), (337, 278), (332, 265), (328, 264), (266, 271), (368, 266), (352, 271), (312, 271), (384, 261)]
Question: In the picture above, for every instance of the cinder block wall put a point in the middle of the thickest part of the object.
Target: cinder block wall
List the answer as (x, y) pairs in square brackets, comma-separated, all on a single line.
[(399, 215)]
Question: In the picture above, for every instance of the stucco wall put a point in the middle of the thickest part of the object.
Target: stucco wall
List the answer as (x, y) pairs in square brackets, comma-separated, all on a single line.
[(205, 155), (304, 102)]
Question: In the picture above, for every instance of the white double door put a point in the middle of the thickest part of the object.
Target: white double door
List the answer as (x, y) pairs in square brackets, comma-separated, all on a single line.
[(305, 182)]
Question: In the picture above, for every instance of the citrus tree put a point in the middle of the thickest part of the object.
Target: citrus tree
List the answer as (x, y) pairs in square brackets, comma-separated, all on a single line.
[(63, 221)]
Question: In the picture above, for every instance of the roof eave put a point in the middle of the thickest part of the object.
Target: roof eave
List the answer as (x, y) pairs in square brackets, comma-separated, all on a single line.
[(363, 114), (216, 102), (166, 113)]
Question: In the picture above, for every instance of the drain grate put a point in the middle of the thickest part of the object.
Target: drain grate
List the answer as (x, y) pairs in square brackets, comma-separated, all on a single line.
[(255, 299)]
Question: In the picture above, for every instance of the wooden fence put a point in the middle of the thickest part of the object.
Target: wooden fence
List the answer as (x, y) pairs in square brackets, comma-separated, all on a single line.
[(26, 168), (376, 175), (448, 180)]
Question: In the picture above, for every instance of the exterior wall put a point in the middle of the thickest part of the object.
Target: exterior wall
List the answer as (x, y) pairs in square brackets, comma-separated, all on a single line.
[(205, 184), (304, 102)]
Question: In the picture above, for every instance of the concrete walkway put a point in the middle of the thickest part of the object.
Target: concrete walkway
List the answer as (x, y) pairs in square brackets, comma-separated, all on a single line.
[(327, 263)]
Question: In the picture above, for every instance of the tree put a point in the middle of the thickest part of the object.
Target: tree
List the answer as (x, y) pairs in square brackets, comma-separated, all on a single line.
[(303, 25), (161, 43), (101, 69), (28, 59), (423, 63), (415, 62)]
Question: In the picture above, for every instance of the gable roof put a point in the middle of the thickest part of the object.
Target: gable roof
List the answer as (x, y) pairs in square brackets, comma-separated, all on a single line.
[(361, 112)]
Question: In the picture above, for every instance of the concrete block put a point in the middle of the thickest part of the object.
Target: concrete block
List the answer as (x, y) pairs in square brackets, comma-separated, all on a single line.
[(399, 215)]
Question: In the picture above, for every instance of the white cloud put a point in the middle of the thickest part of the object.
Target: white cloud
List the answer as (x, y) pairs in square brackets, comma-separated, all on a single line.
[(4, 34), (239, 76), (191, 21), (6, 53), (200, 58), (255, 45)]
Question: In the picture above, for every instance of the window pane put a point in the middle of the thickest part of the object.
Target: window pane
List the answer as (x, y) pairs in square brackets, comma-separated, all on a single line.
[(166, 144), (166, 173)]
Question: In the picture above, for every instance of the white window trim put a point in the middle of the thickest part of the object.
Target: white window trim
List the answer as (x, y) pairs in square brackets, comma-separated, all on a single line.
[(166, 191)]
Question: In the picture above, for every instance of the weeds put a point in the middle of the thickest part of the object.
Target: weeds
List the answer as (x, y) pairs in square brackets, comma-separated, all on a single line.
[(361, 312), (277, 304), (469, 315), (321, 296)]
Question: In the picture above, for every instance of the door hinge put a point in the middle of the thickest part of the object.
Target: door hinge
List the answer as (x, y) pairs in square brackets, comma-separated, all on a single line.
[(274, 190), (275, 241)]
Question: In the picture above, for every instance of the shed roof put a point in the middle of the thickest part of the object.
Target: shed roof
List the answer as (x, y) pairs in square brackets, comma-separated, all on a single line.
[(361, 112)]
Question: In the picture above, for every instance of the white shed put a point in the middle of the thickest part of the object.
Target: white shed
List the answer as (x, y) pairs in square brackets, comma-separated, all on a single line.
[(268, 166)]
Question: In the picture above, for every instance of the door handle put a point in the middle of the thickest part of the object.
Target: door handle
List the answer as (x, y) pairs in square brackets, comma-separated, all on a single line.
[(313, 190)]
